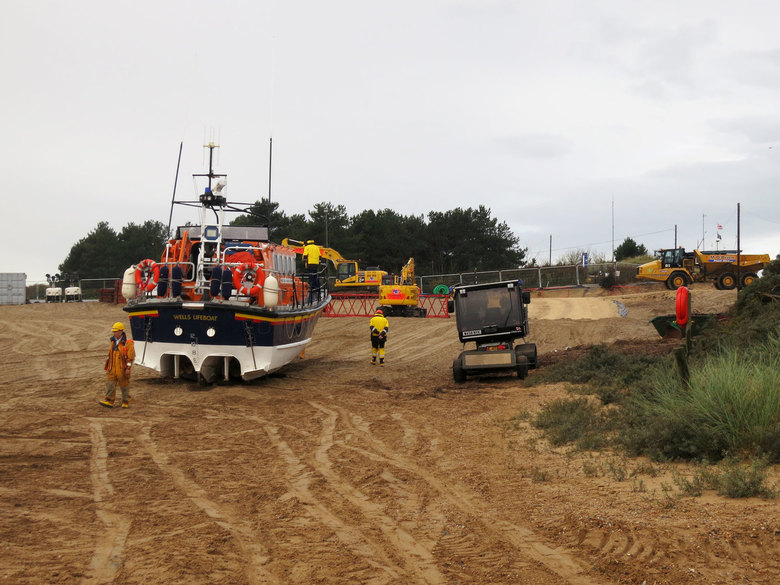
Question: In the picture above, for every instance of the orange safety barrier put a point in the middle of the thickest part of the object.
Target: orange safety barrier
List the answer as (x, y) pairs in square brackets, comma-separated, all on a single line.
[(435, 305), (351, 305), (364, 305)]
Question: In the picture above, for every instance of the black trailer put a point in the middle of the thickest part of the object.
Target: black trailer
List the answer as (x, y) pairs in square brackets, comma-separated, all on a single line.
[(493, 316)]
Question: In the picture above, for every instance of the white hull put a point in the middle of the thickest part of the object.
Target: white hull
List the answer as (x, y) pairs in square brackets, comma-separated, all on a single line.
[(214, 362)]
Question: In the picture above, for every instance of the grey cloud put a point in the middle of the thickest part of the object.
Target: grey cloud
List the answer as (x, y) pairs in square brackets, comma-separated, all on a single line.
[(534, 145)]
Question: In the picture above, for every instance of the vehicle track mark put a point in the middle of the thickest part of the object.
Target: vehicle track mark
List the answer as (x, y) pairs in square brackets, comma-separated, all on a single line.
[(423, 565), (299, 477), (246, 538), (521, 537), (106, 559)]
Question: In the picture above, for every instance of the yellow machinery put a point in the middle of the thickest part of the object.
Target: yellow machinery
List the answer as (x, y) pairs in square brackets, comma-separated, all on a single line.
[(348, 277), (399, 296), (677, 268)]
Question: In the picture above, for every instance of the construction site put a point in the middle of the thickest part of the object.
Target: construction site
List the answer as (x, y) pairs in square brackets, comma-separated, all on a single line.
[(331, 471)]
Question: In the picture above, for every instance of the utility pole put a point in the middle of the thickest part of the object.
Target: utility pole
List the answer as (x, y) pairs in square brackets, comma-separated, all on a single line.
[(739, 254), (550, 261), (613, 229), (702, 231)]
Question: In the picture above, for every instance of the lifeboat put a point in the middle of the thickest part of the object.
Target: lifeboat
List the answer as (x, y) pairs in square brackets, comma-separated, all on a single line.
[(223, 302)]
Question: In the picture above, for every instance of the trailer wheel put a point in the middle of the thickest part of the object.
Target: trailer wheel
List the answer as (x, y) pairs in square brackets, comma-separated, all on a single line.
[(522, 367), (727, 281), (749, 278), (676, 280), (458, 373)]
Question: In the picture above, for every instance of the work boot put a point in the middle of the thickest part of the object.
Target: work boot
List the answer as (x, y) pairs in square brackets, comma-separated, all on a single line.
[(381, 362), (373, 361), (125, 404), (107, 402)]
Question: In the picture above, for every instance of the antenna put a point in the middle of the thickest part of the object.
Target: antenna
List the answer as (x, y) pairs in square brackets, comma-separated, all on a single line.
[(175, 182), (270, 160)]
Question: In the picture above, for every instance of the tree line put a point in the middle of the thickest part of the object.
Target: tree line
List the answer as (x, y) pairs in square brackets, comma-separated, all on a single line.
[(458, 240)]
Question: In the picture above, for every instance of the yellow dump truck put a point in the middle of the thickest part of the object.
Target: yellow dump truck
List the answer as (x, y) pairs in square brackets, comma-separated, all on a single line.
[(724, 268)]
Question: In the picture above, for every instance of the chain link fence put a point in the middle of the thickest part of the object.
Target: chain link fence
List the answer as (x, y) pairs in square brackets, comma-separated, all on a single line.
[(90, 288), (539, 277)]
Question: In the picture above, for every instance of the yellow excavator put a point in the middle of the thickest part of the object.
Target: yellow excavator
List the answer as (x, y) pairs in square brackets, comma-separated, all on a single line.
[(348, 276), (675, 267), (399, 296)]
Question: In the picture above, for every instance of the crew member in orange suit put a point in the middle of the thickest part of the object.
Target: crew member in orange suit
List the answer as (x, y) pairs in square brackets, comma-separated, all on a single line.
[(118, 363)]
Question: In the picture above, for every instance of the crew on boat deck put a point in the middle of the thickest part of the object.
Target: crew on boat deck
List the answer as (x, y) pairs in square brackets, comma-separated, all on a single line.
[(311, 256)]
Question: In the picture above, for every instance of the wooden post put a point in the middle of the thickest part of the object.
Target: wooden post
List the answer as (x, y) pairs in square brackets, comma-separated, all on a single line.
[(681, 358)]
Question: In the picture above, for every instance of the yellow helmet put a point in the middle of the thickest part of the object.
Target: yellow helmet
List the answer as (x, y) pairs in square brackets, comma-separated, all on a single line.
[(118, 327), (309, 241)]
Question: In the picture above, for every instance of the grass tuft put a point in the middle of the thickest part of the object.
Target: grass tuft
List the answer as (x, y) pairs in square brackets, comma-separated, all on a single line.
[(577, 421)]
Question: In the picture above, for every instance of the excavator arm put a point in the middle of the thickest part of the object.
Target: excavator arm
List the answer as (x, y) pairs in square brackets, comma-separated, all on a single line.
[(328, 253), (407, 272)]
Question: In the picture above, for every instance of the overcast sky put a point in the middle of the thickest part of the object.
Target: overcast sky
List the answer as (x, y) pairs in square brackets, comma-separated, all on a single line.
[(552, 114)]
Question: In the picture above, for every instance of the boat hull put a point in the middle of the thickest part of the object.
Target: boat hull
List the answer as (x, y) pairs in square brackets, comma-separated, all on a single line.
[(215, 340)]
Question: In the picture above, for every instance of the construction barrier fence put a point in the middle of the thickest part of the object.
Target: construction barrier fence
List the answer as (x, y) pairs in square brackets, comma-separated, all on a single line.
[(364, 305), (541, 277)]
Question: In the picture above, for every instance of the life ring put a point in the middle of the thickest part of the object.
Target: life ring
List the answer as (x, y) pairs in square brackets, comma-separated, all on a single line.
[(248, 279), (683, 297), (147, 273)]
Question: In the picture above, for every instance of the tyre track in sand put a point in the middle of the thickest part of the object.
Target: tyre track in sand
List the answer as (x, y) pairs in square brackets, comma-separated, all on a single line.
[(520, 537), (247, 539), (650, 547), (358, 540), (419, 560), (106, 559)]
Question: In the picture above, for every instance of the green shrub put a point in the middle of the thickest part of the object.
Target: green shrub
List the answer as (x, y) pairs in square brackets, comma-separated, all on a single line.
[(732, 479), (601, 371), (732, 404), (608, 280), (745, 481), (576, 421)]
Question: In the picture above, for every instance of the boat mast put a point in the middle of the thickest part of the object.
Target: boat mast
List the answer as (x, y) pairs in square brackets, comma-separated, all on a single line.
[(208, 199), (216, 202), (173, 197)]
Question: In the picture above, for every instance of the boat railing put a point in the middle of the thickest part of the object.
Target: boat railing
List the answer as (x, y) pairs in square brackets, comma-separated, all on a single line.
[(295, 290)]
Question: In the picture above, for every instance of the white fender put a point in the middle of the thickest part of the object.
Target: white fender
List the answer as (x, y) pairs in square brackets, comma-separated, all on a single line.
[(270, 292), (128, 283)]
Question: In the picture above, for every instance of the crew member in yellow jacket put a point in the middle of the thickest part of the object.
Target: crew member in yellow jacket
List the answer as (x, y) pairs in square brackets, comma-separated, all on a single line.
[(118, 363), (311, 256), (379, 327)]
